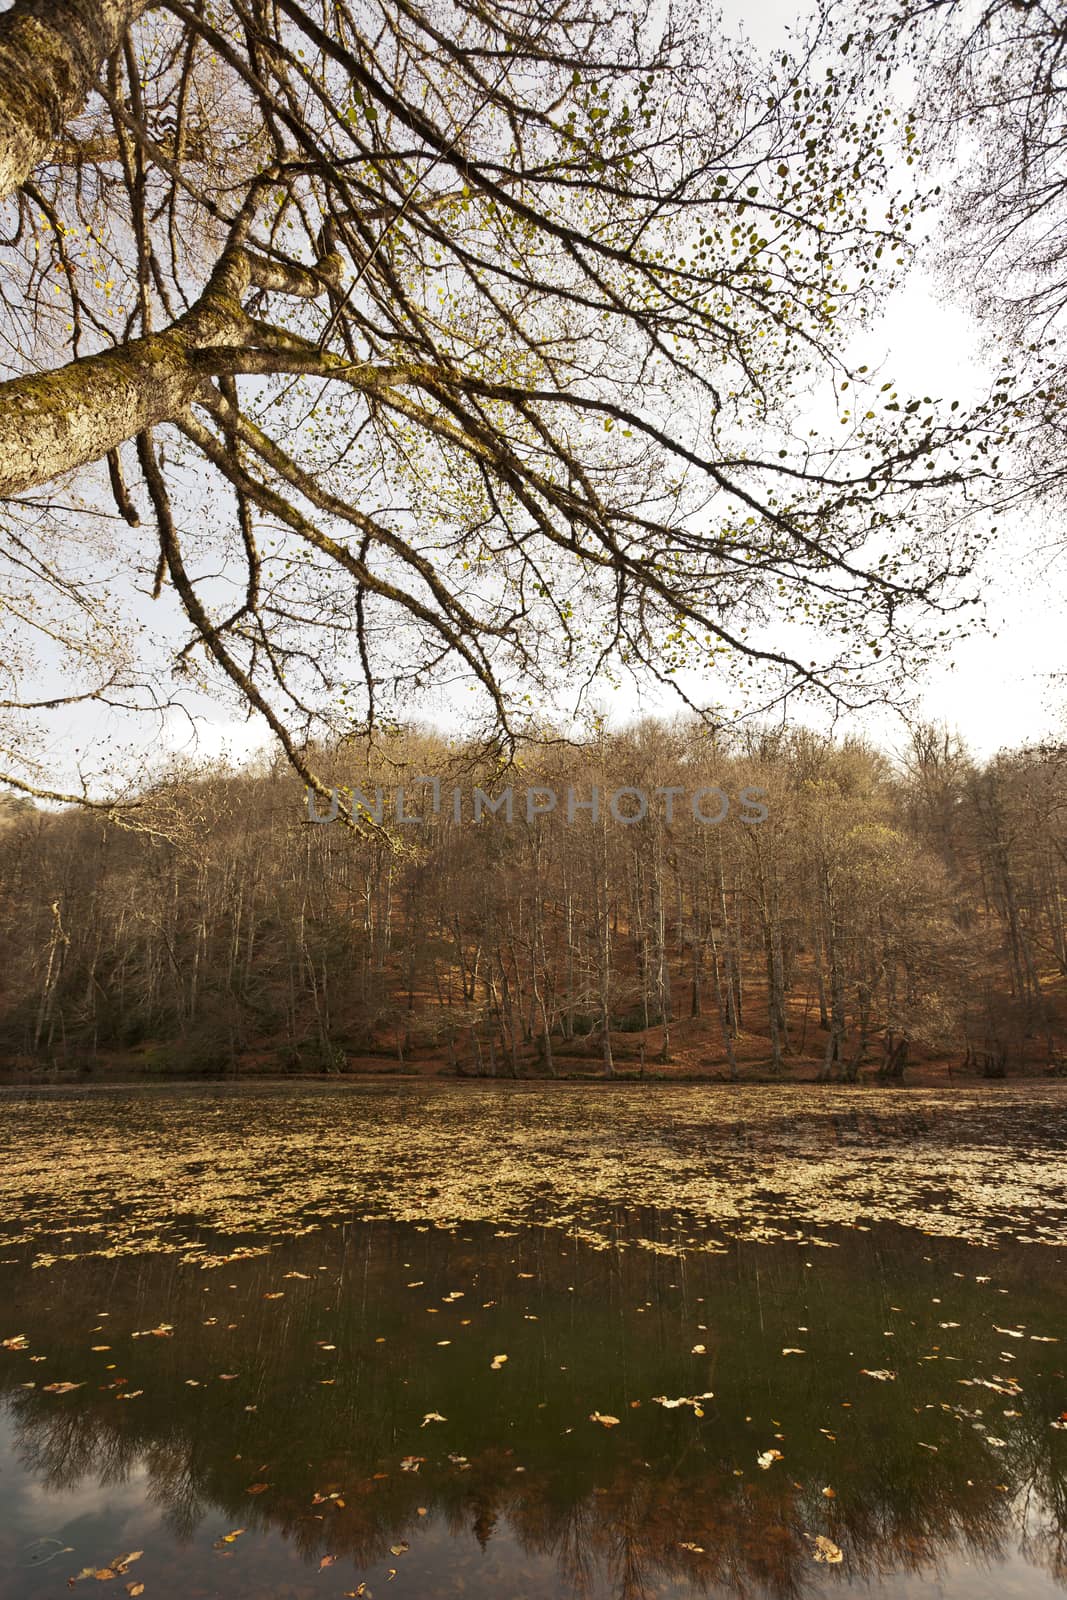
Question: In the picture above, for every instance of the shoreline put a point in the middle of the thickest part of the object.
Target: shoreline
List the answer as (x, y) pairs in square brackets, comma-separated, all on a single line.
[(126, 1079)]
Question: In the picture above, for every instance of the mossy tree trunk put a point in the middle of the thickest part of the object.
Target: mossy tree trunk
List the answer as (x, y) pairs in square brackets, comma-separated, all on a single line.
[(51, 53)]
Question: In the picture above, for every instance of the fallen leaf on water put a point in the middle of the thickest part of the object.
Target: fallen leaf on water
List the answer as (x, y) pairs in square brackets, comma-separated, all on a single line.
[(135, 1588), (790, 1350), (825, 1549), (699, 1350), (257, 1488), (881, 1373), (497, 1362), (398, 1549), (605, 1422), (228, 1538), (829, 1494), (768, 1458), (327, 1561), (683, 1400), (432, 1416), (697, 1549)]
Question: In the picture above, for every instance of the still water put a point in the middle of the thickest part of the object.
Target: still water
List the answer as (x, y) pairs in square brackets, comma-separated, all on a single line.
[(496, 1341)]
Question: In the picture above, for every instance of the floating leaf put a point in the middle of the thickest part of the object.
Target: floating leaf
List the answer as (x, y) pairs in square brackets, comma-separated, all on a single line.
[(825, 1549)]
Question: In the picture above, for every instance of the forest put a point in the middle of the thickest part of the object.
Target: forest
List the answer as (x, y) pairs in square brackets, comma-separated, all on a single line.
[(889, 917)]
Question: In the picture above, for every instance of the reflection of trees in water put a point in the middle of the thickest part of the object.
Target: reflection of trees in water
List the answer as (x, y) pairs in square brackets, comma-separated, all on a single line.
[(612, 1509)]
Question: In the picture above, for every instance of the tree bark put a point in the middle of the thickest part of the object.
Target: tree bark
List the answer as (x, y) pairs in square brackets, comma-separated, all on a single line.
[(51, 52), (53, 422)]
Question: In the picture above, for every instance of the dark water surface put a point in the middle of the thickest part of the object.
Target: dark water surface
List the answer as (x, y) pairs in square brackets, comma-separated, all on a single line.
[(517, 1342)]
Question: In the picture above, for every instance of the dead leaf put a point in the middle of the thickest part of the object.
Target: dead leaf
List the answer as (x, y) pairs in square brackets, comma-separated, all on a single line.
[(826, 1550)]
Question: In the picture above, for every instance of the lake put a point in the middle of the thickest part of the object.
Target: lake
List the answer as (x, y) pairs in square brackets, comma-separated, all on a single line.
[(517, 1342)]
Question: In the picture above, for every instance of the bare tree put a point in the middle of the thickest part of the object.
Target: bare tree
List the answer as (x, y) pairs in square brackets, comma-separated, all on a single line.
[(993, 101), (448, 344)]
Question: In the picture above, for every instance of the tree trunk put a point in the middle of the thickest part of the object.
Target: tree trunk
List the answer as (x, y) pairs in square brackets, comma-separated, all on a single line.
[(51, 53), (53, 422)]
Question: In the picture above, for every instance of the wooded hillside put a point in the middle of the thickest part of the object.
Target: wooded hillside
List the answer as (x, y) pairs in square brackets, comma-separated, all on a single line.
[(883, 916)]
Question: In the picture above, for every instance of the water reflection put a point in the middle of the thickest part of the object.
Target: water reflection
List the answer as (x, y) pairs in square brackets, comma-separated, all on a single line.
[(341, 1396)]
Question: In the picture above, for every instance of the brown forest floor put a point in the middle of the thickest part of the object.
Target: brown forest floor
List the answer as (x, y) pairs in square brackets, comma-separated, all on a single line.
[(696, 1054)]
